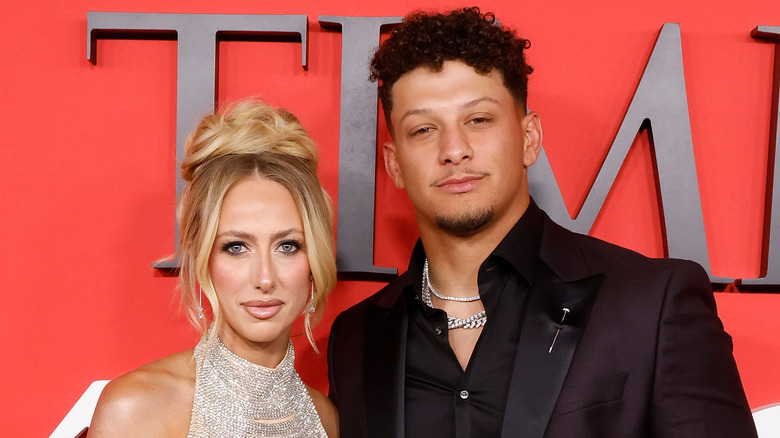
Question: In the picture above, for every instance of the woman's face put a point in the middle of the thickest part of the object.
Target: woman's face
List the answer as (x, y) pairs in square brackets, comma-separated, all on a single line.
[(259, 268)]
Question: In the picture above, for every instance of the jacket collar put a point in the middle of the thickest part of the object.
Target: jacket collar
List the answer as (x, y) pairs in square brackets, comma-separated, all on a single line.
[(542, 360), (538, 373), (520, 247), (385, 364)]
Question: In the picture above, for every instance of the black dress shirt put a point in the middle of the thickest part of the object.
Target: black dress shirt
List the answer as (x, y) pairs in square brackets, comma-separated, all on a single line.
[(442, 399)]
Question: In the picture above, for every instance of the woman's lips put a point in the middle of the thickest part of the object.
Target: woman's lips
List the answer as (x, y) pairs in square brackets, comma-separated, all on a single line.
[(263, 309)]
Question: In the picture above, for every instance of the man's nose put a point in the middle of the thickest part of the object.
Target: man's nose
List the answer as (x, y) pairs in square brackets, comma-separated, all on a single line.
[(455, 146)]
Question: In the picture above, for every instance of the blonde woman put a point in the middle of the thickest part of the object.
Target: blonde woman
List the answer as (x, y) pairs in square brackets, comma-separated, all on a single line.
[(257, 245)]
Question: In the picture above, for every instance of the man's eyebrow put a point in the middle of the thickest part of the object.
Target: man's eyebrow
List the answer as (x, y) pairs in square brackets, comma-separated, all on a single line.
[(469, 104), (476, 102), (414, 112)]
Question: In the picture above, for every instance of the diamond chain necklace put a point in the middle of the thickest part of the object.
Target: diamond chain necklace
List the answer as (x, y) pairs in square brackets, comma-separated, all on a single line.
[(427, 279), (476, 320)]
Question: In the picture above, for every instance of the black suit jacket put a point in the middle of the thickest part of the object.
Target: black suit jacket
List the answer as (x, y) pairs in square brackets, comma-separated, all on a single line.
[(643, 354)]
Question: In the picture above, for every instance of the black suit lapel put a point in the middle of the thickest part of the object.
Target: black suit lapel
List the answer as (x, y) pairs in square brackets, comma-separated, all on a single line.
[(539, 373), (384, 372)]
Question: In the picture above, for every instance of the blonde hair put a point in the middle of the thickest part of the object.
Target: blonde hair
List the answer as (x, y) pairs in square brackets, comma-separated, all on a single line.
[(250, 138)]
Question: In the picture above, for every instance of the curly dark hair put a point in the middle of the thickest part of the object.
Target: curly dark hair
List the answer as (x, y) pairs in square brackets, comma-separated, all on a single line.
[(427, 40)]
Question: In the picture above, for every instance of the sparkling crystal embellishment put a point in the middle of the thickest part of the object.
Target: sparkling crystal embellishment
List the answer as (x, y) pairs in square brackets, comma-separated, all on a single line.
[(236, 398), (474, 321)]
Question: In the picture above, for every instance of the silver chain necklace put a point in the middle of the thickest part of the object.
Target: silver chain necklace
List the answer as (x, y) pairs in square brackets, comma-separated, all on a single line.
[(427, 279), (476, 320)]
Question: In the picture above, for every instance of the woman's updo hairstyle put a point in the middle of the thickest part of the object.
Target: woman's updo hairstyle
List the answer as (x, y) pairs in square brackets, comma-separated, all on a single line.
[(249, 138)]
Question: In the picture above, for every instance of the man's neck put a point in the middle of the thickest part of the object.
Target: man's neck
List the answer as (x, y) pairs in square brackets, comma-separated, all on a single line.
[(454, 261)]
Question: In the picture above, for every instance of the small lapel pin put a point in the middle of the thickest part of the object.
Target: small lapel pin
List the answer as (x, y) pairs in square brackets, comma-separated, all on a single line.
[(565, 312)]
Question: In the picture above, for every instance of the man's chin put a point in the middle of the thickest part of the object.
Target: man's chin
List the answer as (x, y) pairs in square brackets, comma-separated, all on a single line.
[(467, 224)]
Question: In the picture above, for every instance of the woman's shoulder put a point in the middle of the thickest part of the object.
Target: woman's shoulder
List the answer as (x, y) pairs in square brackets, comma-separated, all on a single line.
[(151, 400), (327, 411)]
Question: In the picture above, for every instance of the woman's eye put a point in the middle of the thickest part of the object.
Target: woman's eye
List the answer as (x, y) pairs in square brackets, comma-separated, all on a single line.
[(233, 247), (289, 247)]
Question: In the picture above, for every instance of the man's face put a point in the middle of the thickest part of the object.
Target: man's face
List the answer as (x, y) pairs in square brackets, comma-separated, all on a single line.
[(460, 148)]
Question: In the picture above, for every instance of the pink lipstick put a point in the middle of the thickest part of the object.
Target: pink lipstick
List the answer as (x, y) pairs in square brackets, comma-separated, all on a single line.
[(263, 309)]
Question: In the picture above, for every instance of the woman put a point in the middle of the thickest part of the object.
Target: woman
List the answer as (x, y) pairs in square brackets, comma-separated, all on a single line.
[(257, 243)]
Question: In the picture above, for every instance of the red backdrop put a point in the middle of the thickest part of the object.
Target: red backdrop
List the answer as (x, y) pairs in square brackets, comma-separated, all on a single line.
[(88, 167)]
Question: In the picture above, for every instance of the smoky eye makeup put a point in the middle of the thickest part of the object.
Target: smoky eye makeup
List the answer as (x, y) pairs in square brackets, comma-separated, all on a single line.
[(289, 246), (233, 247)]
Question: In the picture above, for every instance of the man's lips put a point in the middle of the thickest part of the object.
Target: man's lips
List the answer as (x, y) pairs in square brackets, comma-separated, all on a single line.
[(263, 309), (459, 184)]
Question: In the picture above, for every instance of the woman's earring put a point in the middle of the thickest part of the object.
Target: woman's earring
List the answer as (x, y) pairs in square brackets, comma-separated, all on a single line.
[(312, 308), (200, 304)]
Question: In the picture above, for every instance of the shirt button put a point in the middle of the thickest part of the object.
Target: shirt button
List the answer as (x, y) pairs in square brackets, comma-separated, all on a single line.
[(464, 394), (437, 331)]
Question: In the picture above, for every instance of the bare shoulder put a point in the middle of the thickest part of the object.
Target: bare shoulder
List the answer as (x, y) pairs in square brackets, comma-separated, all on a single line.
[(152, 400), (327, 412)]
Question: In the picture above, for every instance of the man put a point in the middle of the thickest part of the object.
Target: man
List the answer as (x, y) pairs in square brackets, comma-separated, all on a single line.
[(505, 324)]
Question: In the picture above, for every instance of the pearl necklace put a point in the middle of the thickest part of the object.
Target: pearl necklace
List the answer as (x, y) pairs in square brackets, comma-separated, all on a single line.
[(476, 320)]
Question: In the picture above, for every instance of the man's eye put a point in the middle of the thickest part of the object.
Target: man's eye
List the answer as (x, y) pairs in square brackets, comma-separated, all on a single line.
[(421, 131), (479, 120)]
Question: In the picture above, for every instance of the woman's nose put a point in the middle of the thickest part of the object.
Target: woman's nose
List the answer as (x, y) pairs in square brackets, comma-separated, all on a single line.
[(264, 278)]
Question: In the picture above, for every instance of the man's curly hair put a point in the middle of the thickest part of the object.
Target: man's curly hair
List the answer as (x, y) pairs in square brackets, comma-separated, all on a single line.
[(466, 35)]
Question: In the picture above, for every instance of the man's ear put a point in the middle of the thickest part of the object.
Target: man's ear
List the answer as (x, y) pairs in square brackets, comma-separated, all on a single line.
[(532, 145), (391, 164)]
